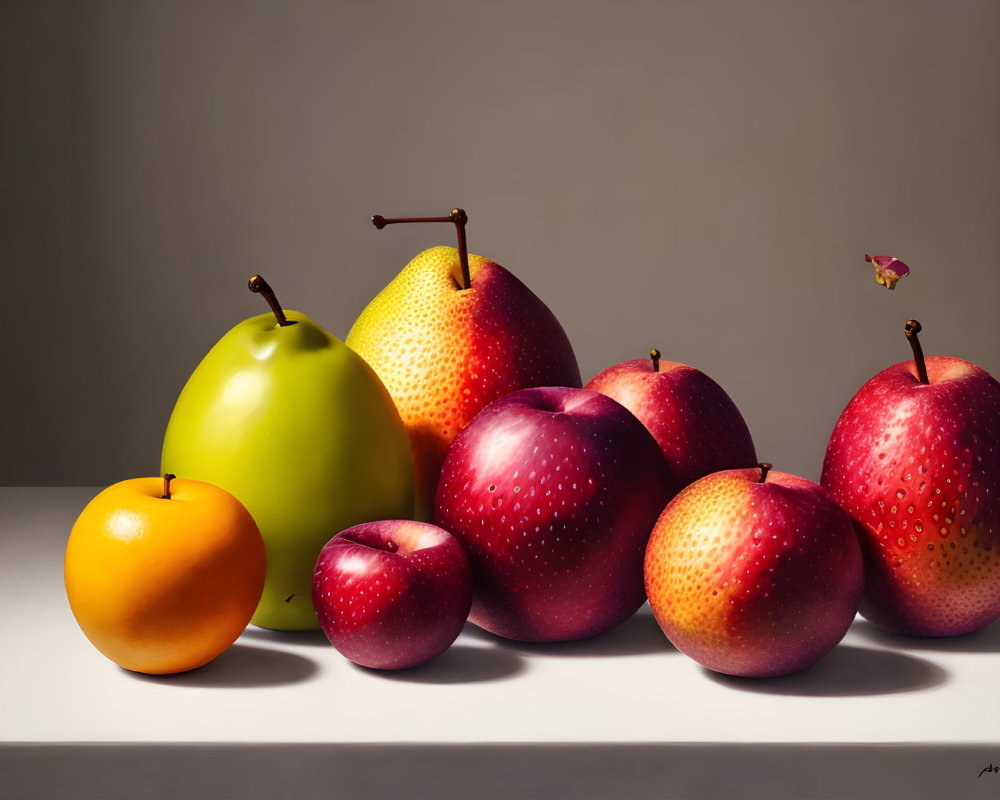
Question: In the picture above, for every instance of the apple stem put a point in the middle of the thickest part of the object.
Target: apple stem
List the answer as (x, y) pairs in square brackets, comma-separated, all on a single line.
[(912, 329), (764, 469), (458, 216), (166, 486), (655, 355), (259, 286)]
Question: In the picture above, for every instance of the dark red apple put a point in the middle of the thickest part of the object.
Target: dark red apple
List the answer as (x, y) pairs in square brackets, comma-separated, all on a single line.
[(553, 493), (754, 573), (392, 594), (915, 461), (697, 425)]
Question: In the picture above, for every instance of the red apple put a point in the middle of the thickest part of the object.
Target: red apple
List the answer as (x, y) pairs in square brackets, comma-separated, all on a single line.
[(915, 461), (754, 573), (697, 425), (392, 594), (553, 492)]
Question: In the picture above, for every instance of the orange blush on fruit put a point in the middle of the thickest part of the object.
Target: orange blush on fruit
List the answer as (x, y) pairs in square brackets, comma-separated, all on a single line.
[(753, 573), (450, 334)]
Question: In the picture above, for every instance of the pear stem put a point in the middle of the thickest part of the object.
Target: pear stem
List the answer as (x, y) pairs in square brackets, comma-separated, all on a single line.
[(259, 286), (166, 486), (458, 216), (655, 355), (764, 469), (911, 329)]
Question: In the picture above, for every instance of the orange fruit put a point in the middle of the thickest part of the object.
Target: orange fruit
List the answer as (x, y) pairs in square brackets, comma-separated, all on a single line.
[(164, 584)]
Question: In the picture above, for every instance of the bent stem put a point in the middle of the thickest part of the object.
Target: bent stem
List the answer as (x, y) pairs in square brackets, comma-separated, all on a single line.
[(259, 286), (166, 486), (764, 469), (458, 216), (911, 329)]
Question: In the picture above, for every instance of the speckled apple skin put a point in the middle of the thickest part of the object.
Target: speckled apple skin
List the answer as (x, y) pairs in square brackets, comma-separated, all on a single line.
[(392, 609), (553, 493), (697, 425), (754, 579), (918, 469), (444, 353)]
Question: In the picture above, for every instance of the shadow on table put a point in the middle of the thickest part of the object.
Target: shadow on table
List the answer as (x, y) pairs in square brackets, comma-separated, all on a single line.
[(460, 663), (847, 672), (985, 640), (242, 666), (315, 638), (638, 635)]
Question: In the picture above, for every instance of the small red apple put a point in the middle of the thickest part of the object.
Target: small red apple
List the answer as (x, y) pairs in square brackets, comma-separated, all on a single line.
[(754, 573), (915, 461), (553, 492), (697, 425), (392, 594)]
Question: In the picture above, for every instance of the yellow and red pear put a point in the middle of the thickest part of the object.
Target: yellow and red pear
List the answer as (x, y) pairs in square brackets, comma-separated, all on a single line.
[(450, 334)]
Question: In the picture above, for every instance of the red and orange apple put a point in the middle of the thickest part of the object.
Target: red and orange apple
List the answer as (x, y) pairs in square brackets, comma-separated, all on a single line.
[(754, 573)]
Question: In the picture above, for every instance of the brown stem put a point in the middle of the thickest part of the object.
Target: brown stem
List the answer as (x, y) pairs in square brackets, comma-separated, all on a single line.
[(458, 216), (764, 469), (655, 355), (166, 486), (912, 329), (259, 286)]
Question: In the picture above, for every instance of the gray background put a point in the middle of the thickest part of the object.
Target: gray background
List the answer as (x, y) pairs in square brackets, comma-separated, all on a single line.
[(700, 177)]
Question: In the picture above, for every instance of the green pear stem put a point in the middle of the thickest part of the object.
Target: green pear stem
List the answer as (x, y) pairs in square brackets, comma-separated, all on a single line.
[(458, 216), (166, 486), (259, 286), (911, 329), (655, 355), (764, 469)]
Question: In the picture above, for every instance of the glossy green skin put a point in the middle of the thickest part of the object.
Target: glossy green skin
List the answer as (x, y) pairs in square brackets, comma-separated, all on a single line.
[(301, 430)]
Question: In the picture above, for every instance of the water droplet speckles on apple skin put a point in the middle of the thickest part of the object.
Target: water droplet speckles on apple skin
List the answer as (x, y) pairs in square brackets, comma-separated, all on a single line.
[(577, 502), (920, 594), (705, 603)]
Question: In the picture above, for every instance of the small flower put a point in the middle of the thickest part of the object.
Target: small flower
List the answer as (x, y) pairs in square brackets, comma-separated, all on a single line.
[(888, 270)]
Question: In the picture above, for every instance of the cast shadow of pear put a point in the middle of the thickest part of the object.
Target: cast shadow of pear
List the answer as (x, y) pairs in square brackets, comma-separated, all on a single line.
[(311, 638), (242, 666), (985, 640), (846, 671)]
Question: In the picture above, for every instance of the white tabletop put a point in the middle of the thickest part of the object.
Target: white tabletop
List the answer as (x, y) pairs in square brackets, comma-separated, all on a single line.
[(622, 715)]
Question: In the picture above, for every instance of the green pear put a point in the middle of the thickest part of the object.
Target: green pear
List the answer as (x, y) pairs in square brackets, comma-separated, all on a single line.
[(300, 430)]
